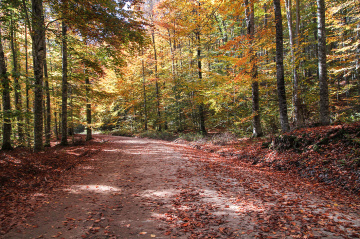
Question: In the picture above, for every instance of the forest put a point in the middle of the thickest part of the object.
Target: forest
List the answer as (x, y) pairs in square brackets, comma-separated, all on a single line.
[(248, 67), (256, 103)]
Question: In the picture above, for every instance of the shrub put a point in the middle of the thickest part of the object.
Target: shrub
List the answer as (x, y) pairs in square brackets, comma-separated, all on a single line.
[(163, 135), (223, 138), (121, 132), (192, 136)]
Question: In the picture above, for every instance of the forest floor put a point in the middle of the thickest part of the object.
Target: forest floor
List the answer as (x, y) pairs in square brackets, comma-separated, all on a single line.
[(119, 187)]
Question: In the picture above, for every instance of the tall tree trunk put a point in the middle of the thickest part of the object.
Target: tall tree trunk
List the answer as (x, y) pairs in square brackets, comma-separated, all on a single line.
[(71, 112), (157, 87), (323, 81), (48, 105), (56, 125), (293, 50), (64, 86), (27, 118), (17, 87), (144, 92), (38, 36), (301, 119), (48, 108), (172, 46), (357, 73), (284, 122), (201, 104), (180, 111), (6, 101), (88, 110), (250, 25)]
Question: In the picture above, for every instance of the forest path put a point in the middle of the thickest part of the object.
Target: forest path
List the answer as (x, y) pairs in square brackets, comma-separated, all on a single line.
[(141, 188)]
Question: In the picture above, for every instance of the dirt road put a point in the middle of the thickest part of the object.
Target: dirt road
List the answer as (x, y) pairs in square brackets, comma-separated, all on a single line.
[(141, 188)]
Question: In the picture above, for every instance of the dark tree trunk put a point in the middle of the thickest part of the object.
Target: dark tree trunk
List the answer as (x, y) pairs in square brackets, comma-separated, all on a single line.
[(64, 89), (250, 25), (27, 117), (157, 87), (56, 126), (201, 104), (88, 110), (6, 101), (323, 81), (284, 122), (301, 119), (144, 93), (71, 113), (357, 73), (38, 36), (48, 107)]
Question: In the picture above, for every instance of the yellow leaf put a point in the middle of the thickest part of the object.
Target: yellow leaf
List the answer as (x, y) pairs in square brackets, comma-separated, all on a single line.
[(143, 233)]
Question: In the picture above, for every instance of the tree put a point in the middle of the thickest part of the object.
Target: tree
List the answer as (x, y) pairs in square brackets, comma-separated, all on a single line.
[(6, 145), (284, 122), (88, 110), (27, 118), (250, 25), (16, 77), (111, 22), (38, 39), (64, 86), (198, 33), (201, 106), (144, 91), (157, 87), (294, 46), (323, 81), (47, 115)]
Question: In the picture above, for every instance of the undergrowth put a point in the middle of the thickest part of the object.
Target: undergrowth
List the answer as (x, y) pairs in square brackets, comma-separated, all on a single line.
[(326, 154), (161, 135), (121, 132)]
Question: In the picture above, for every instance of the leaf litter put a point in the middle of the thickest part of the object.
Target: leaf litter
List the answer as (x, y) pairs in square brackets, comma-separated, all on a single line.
[(219, 191)]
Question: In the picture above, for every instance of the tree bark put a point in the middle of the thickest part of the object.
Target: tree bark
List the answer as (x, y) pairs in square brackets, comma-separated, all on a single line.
[(6, 101), (88, 110), (71, 113), (64, 89), (201, 104), (250, 25), (358, 61), (27, 117), (157, 88), (17, 87), (56, 126), (38, 36), (294, 65), (301, 118), (172, 46), (48, 105), (284, 122), (144, 92), (323, 81)]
